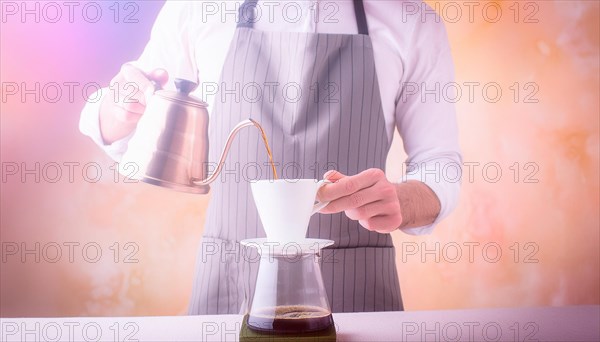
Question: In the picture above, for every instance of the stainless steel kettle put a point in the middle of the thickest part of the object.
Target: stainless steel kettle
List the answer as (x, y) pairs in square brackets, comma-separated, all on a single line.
[(170, 145)]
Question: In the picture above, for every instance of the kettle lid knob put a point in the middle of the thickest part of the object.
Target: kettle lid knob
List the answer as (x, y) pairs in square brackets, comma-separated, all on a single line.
[(185, 86)]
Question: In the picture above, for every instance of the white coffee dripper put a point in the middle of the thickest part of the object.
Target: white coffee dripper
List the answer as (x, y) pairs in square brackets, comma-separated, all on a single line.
[(286, 205)]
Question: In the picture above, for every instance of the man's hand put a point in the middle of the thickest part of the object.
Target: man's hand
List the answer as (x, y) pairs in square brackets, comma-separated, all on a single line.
[(377, 204), (123, 107), (367, 197)]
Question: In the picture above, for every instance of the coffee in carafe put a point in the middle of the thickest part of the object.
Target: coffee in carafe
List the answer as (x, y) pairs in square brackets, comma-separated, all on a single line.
[(287, 319)]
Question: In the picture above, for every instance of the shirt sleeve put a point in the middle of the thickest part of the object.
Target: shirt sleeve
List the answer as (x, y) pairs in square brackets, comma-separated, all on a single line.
[(169, 48), (426, 115)]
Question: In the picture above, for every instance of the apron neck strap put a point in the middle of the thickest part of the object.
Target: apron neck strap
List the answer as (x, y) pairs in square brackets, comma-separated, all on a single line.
[(361, 17), (247, 15)]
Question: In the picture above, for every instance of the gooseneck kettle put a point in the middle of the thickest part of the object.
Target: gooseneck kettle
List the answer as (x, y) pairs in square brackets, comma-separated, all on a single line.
[(170, 145)]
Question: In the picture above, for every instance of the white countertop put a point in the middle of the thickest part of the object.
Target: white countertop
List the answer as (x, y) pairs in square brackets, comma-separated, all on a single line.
[(573, 323)]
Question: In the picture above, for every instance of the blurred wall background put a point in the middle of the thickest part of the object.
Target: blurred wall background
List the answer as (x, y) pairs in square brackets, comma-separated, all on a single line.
[(525, 232)]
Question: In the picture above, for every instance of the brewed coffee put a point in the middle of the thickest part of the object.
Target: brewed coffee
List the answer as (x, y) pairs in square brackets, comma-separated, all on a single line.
[(287, 319), (268, 148)]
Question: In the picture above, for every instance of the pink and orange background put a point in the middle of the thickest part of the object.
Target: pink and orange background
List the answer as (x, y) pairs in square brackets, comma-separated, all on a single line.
[(542, 214)]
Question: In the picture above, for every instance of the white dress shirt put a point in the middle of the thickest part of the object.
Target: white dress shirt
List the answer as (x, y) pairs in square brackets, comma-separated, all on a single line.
[(190, 39)]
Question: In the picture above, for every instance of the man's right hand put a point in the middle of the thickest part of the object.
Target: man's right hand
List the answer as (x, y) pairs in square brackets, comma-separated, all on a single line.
[(123, 106)]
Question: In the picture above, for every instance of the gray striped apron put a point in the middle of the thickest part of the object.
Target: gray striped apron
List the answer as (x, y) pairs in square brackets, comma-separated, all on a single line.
[(317, 97)]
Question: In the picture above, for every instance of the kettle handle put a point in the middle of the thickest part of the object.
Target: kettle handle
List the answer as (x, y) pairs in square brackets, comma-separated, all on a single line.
[(232, 134)]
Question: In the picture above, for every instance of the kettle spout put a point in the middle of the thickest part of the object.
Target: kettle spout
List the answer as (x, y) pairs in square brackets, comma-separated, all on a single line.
[(232, 134)]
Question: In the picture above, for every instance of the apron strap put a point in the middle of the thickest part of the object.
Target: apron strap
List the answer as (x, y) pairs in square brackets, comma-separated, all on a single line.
[(361, 17), (247, 15)]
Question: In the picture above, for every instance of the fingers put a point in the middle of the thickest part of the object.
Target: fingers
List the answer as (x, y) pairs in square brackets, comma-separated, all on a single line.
[(137, 77), (347, 185), (352, 201), (333, 175), (126, 115), (383, 223), (373, 209), (128, 103), (130, 90), (136, 85)]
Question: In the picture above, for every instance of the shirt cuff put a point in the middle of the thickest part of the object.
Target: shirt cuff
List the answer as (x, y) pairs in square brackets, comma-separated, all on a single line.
[(89, 124), (443, 178)]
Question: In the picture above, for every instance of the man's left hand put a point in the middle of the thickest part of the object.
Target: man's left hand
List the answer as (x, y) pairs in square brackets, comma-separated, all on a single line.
[(367, 197)]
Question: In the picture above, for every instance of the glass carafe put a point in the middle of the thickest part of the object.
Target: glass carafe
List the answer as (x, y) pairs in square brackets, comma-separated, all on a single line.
[(289, 295)]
